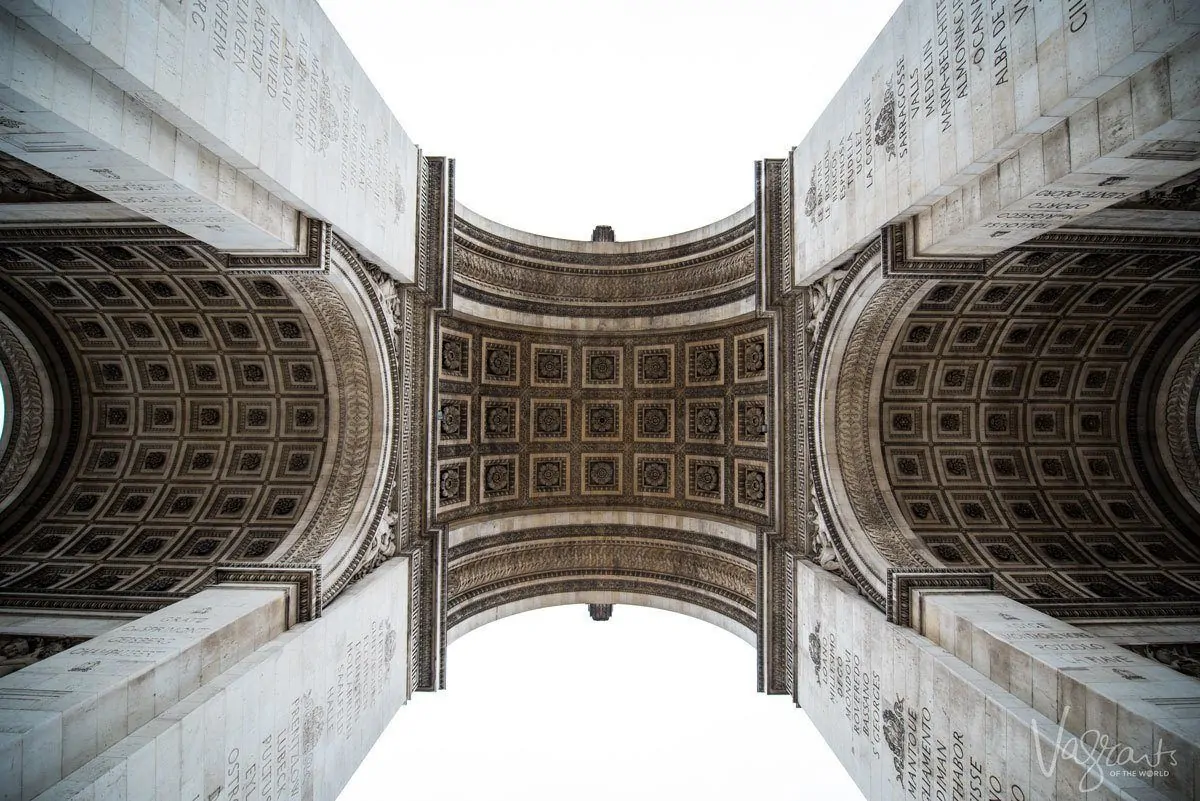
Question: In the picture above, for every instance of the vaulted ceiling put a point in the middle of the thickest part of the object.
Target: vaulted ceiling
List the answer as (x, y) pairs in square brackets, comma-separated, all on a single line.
[(200, 416), (605, 420)]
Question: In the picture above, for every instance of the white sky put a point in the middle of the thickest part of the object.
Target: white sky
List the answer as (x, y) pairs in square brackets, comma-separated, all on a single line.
[(552, 706), (646, 115)]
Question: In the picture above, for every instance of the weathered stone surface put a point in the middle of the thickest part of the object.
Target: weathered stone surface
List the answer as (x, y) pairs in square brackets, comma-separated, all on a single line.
[(292, 719), (228, 121), (909, 719), (994, 122), (1081, 681), (63, 712)]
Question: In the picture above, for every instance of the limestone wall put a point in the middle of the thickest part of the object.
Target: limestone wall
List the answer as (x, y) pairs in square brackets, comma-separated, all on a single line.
[(993, 121), (292, 720), (221, 118), (910, 720)]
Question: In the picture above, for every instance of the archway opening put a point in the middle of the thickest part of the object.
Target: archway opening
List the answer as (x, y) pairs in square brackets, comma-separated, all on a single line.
[(549, 704)]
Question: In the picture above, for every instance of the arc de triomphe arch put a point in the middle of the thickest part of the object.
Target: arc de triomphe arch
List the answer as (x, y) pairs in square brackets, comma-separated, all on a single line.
[(282, 419)]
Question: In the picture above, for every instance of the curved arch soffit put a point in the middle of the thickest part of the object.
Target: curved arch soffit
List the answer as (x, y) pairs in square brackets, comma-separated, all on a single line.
[(742, 534), (866, 525), (684, 561), (26, 413), (360, 359), (624, 598), (702, 276)]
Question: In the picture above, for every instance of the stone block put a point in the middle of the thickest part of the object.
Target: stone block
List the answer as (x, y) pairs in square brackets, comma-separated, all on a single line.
[(944, 728), (338, 679), (1035, 66), (325, 146)]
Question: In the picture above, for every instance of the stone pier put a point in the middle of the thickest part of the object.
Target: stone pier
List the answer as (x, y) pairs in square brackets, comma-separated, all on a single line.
[(234, 123), (974, 709), (985, 124), (212, 697)]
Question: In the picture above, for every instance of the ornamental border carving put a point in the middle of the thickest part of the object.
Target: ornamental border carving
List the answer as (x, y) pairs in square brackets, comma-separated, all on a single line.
[(700, 275), (355, 420), (901, 261), (1138, 384), (424, 543), (27, 412), (715, 271), (855, 448), (818, 326), (72, 420), (545, 256), (1180, 423), (467, 292), (708, 570), (542, 585), (777, 549), (305, 579), (90, 602), (1085, 609), (901, 583), (314, 258), (582, 530)]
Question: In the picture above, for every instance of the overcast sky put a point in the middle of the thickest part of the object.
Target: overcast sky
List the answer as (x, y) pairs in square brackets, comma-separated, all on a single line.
[(646, 115), (552, 706)]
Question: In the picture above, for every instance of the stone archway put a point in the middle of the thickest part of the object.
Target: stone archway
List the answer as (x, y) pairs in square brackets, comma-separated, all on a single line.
[(1000, 422), (604, 412), (931, 396), (208, 417)]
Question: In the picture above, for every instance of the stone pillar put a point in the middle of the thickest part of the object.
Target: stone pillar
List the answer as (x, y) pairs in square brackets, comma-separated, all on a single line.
[(272, 713), (230, 123), (910, 719), (1079, 680), (989, 124), (62, 712)]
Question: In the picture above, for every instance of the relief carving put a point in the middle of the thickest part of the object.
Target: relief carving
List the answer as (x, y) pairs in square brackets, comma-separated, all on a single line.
[(852, 436), (1184, 657), (543, 283), (18, 651), (355, 420), (681, 563), (820, 300), (824, 552), (25, 415), (24, 183), (1180, 423)]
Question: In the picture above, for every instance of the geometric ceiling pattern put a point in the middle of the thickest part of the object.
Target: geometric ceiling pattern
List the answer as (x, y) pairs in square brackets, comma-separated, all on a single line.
[(544, 420), (204, 416), (604, 424), (1004, 428), (605, 417)]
